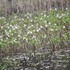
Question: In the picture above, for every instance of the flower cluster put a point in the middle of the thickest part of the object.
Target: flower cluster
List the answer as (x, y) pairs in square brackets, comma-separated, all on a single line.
[(32, 28)]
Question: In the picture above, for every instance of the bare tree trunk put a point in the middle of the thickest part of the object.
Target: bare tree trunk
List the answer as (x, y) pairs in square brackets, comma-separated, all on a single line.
[(49, 4), (23, 6)]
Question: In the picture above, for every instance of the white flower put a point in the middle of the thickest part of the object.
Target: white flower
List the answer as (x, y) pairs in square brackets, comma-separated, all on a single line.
[(2, 17), (7, 24), (15, 39), (41, 26), (47, 16), (1, 27), (27, 58), (29, 27), (11, 42), (31, 20), (16, 26), (7, 33), (11, 26), (38, 30), (47, 43), (12, 33), (55, 24), (19, 36), (44, 15), (51, 29), (63, 35), (46, 25), (41, 18), (32, 25), (45, 36), (8, 27), (19, 19), (45, 21), (1, 39), (29, 32), (33, 37), (44, 11), (27, 17), (22, 19), (66, 8), (12, 21), (63, 26), (15, 16), (55, 9), (50, 8), (33, 54), (24, 25), (63, 14), (9, 30), (26, 40), (57, 15), (49, 23), (34, 30), (34, 21), (7, 38), (1, 36), (35, 17), (41, 13), (20, 32), (30, 15)]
